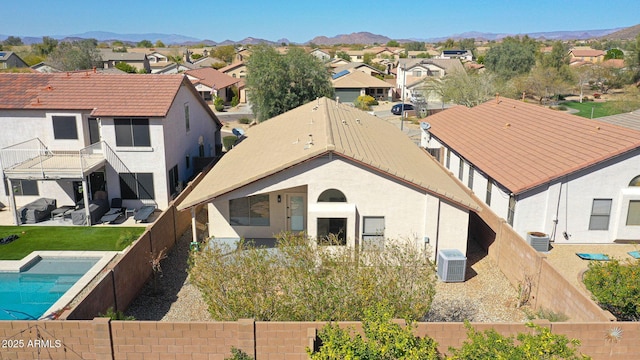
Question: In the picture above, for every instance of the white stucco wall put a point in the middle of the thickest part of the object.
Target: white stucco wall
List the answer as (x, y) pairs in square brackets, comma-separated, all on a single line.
[(409, 214), (564, 205)]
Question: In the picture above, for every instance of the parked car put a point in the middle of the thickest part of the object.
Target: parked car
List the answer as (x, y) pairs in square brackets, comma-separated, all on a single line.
[(397, 109)]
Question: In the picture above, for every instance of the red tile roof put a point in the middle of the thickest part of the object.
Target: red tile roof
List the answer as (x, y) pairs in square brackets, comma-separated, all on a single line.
[(103, 94), (587, 53), (522, 146), (212, 78)]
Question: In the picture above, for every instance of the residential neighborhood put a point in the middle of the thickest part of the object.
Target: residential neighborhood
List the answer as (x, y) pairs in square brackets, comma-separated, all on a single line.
[(237, 199)]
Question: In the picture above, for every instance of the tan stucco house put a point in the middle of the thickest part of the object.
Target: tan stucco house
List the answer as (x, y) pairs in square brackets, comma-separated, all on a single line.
[(333, 169)]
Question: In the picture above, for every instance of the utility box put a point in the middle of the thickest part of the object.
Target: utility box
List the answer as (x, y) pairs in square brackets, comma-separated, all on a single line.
[(538, 240), (452, 265)]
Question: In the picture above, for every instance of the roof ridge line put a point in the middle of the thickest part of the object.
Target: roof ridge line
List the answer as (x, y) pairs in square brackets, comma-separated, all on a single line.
[(327, 123)]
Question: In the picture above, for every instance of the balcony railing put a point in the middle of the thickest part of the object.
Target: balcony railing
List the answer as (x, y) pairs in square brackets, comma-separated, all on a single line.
[(33, 160)]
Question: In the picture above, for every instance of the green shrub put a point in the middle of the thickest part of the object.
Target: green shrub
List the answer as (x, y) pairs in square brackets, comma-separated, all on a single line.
[(116, 315), (237, 354), (229, 141), (320, 285), (616, 287), (383, 339), (364, 102), (218, 103), (244, 120), (235, 100), (539, 344), (548, 315)]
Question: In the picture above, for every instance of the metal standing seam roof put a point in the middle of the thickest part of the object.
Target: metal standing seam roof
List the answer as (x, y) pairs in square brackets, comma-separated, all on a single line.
[(317, 128), (522, 146), (147, 95)]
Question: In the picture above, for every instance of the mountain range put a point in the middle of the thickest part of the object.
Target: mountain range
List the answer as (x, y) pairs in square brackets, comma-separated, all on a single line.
[(353, 38)]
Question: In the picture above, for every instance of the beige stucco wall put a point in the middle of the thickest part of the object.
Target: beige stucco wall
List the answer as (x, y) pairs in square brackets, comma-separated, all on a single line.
[(410, 214)]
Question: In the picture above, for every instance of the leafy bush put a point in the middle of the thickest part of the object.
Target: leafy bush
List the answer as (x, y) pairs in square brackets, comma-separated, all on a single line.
[(116, 315), (237, 354), (364, 102), (235, 100), (550, 315), (299, 281), (384, 340), (123, 66), (229, 141), (616, 287), (244, 120), (218, 103), (540, 344)]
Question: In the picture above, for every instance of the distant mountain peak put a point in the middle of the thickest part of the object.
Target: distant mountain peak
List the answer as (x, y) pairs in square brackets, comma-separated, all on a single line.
[(362, 37)]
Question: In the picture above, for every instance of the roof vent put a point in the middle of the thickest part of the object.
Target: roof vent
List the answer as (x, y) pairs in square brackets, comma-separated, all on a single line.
[(344, 122)]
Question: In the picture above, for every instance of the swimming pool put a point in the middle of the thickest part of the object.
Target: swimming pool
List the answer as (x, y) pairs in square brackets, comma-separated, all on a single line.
[(40, 285)]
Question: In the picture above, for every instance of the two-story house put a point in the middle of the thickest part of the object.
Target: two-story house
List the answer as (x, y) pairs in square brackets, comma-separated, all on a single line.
[(134, 136), (412, 73)]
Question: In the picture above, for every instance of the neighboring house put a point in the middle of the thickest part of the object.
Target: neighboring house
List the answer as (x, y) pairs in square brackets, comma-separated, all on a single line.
[(174, 68), (9, 59), (321, 54), (352, 85), (210, 82), (333, 169), (465, 55), (334, 63), (412, 73), (356, 66), (587, 55), (134, 136), (575, 179), (242, 55), (238, 71), (137, 60), (43, 67), (206, 62)]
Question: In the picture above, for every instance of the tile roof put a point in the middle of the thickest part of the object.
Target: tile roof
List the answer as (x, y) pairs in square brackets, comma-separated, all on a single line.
[(102, 94), (359, 80), (522, 146), (331, 128), (586, 52), (109, 55), (212, 78)]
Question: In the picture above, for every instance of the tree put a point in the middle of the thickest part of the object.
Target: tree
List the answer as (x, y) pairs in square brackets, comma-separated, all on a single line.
[(464, 89), (343, 55), (144, 44), (393, 43), (557, 58), (581, 74), (614, 54), (606, 78), (415, 46), (13, 41), (448, 44), (77, 55), (513, 57), (46, 47), (159, 44), (126, 67), (279, 83), (368, 57), (543, 82), (225, 53)]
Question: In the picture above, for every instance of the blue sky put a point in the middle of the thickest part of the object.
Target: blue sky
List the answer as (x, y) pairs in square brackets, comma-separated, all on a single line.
[(301, 20)]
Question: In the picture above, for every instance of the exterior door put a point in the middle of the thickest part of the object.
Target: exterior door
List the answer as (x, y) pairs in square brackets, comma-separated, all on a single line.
[(296, 210)]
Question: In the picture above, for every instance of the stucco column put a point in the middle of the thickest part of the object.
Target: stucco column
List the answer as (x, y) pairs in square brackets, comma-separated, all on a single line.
[(85, 197), (12, 203)]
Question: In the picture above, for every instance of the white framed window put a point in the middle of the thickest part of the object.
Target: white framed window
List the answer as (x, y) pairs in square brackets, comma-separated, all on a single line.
[(600, 214), (633, 213), (372, 232), (132, 132)]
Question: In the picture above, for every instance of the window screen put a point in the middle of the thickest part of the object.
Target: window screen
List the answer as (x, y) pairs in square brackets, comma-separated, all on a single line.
[(600, 212), (633, 215), (64, 128)]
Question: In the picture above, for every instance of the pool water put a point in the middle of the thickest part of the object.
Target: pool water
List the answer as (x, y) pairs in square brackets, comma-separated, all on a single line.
[(26, 295)]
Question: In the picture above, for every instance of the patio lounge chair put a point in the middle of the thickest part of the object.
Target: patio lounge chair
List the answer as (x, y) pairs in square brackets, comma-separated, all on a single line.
[(593, 256), (111, 216), (143, 213)]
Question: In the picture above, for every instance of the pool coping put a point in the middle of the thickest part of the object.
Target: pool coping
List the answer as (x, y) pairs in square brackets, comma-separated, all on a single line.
[(14, 266)]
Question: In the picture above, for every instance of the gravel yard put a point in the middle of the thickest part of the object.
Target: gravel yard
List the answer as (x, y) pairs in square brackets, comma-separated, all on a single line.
[(486, 295)]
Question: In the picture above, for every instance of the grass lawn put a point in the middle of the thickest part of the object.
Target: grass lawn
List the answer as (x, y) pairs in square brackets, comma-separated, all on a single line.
[(89, 238), (599, 108)]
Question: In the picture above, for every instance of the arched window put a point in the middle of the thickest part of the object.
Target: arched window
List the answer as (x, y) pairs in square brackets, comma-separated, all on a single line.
[(332, 195), (635, 181)]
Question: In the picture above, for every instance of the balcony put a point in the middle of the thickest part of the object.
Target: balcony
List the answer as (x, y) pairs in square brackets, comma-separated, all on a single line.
[(33, 160)]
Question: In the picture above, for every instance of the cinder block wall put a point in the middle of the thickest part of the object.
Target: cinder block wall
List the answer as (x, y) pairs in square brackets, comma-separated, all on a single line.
[(103, 339)]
